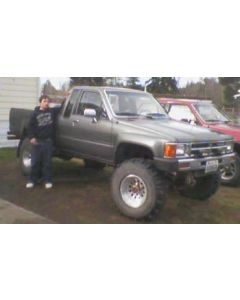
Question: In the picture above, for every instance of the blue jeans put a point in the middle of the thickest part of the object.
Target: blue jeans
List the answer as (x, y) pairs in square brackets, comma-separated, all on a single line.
[(41, 161)]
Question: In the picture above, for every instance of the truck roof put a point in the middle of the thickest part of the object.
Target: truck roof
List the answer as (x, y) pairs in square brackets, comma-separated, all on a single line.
[(182, 100), (108, 88)]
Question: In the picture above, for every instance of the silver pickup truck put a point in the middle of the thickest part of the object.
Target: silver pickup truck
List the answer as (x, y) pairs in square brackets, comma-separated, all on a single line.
[(131, 131)]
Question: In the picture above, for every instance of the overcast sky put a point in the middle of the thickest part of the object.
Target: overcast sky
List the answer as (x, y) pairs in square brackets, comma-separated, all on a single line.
[(58, 81)]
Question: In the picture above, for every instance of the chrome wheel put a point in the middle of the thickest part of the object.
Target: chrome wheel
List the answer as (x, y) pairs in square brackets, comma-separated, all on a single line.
[(26, 158), (228, 172), (133, 191)]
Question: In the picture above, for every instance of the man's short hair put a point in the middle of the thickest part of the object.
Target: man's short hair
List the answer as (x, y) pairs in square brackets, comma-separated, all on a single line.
[(43, 97)]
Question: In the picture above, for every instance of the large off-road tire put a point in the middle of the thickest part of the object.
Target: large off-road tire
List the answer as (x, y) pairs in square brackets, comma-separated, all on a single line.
[(204, 187), (90, 164), (138, 190), (230, 175), (25, 157)]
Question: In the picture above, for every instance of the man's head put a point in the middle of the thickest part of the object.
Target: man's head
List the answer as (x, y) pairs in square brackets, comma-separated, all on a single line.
[(44, 102)]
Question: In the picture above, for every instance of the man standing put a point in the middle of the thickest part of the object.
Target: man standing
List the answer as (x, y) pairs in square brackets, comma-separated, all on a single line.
[(41, 132)]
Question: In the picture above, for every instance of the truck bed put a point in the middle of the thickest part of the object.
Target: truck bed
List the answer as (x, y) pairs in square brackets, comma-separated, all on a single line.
[(18, 118)]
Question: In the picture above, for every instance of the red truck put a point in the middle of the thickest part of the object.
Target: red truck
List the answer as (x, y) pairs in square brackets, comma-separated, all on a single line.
[(205, 113)]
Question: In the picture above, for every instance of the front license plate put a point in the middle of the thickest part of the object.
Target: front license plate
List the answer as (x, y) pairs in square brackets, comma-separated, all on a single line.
[(211, 166)]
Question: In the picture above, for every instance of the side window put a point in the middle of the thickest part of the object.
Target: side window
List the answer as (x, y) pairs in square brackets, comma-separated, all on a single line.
[(73, 99), (181, 113), (91, 100)]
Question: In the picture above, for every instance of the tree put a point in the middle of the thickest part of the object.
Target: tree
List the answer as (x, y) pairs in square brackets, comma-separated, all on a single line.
[(114, 81), (48, 88), (133, 83), (207, 88), (163, 85), (231, 86), (92, 81), (228, 80)]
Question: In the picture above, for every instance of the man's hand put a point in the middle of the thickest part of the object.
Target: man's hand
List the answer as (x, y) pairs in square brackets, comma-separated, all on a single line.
[(34, 141)]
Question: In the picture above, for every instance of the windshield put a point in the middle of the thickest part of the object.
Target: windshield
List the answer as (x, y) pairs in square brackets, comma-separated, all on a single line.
[(210, 113), (135, 104)]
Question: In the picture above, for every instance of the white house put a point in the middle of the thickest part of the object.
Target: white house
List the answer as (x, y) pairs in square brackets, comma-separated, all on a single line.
[(19, 92)]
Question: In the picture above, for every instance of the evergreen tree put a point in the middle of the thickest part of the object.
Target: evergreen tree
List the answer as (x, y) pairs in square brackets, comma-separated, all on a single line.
[(92, 81), (231, 86), (133, 83), (163, 85)]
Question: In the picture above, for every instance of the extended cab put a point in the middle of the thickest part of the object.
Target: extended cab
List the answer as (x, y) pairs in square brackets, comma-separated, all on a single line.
[(130, 130), (204, 113)]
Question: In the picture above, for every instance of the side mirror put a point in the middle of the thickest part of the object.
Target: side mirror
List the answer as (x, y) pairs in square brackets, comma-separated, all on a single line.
[(90, 113)]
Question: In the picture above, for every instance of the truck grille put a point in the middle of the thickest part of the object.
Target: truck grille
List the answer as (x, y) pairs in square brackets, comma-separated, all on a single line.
[(199, 150)]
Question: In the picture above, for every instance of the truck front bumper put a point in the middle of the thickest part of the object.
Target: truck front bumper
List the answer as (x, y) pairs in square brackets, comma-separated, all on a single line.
[(192, 164)]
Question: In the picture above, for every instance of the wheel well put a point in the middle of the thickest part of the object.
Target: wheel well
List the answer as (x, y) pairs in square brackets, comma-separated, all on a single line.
[(127, 151)]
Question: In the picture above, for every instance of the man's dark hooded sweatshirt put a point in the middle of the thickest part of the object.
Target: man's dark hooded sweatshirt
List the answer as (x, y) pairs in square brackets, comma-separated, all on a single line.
[(42, 123)]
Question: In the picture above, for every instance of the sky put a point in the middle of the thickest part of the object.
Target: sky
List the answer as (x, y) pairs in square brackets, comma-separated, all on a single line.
[(58, 81)]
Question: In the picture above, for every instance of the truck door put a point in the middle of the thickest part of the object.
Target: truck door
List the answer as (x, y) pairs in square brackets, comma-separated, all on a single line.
[(65, 138), (92, 137)]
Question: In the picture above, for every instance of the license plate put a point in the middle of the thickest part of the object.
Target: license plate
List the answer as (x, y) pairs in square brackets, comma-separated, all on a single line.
[(211, 166)]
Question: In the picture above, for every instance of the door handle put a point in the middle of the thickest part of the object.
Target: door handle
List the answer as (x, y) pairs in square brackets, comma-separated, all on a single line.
[(75, 122)]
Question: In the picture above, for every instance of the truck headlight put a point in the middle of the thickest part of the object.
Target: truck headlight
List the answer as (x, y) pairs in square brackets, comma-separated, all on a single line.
[(230, 147), (181, 150), (172, 150)]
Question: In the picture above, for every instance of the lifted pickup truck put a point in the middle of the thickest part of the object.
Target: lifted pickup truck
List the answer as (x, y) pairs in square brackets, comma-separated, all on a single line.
[(130, 130), (204, 113)]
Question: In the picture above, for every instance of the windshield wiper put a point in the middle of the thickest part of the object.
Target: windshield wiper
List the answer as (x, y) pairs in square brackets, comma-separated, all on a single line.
[(155, 116), (212, 120), (127, 114)]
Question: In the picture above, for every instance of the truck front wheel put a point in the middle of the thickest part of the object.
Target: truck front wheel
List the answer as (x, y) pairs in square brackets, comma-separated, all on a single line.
[(203, 188), (230, 175), (137, 188)]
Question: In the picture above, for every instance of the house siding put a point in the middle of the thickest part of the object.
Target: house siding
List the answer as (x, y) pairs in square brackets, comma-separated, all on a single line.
[(19, 92)]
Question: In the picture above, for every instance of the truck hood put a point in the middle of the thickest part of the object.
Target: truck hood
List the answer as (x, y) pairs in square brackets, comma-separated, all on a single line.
[(174, 131), (230, 129)]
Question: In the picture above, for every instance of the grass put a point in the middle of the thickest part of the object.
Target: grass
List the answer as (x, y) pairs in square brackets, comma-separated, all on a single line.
[(7, 154)]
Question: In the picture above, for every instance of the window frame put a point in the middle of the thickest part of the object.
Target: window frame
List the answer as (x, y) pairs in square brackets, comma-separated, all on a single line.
[(79, 92), (80, 101)]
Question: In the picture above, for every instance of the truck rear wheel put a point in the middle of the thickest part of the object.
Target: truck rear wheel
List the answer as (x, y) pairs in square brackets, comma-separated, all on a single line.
[(203, 188), (137, 188), (230, 175), (25, 157)]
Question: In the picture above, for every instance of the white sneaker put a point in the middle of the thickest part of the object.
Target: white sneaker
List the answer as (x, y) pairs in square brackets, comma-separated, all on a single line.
[(48, 185), (29, 185)]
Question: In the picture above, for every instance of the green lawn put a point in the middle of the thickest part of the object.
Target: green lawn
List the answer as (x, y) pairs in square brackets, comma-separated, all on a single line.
[(7, 154)]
